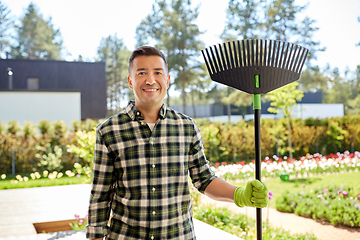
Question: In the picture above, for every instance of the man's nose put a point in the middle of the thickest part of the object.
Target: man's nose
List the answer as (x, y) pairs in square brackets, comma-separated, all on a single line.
[(150, 80)]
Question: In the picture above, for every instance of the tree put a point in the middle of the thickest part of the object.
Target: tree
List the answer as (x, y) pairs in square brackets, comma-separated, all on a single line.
[(170, 26), (358, 44), (281, 23), (6, 24), (242, 20), (113, 52), (36, 37), (238, 98), (284, 99)]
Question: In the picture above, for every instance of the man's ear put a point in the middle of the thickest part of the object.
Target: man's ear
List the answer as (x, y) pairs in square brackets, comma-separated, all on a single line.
[(168, 82), (130, 82)]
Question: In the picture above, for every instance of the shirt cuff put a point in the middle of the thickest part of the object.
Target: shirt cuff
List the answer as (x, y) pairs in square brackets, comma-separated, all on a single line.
[(94, 232)]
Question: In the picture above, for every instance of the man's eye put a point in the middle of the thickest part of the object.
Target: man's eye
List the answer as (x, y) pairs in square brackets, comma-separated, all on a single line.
[(141, 73), (158, 73)]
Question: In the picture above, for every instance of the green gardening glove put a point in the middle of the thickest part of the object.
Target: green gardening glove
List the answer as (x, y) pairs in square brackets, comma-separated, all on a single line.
[(256, 194)]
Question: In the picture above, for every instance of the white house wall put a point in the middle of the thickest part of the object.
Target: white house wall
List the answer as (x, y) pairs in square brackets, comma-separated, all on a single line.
[(37, 106)]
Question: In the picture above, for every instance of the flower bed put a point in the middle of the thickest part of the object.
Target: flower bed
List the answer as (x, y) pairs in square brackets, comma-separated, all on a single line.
[(274, 167), (338, 205), (242, 226)]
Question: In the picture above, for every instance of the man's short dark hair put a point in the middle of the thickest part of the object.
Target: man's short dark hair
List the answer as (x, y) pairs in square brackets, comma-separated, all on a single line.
[(146, 51)]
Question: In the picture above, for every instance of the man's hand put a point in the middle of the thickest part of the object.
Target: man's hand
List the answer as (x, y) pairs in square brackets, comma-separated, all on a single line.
[(256, 194)]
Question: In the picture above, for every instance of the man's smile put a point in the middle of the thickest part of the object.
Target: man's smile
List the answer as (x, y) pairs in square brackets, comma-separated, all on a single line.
[(150, 90)]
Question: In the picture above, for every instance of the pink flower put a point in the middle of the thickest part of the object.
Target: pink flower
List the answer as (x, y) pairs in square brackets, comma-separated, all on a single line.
[(339, 192), (345, 194), (78, 175), (270, 195), (77, 216), (326, 190), (303, 185), (81, 222), (86, 216), (359, 196)]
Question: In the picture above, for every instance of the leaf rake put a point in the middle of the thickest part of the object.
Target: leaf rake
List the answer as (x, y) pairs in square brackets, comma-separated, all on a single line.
[(255, 67)]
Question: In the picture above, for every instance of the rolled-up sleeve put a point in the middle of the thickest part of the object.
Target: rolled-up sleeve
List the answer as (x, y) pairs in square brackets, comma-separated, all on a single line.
[(101, 190), (199, 169)]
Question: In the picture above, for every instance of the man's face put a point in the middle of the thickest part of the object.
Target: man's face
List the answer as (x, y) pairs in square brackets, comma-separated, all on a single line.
[(149, 80)]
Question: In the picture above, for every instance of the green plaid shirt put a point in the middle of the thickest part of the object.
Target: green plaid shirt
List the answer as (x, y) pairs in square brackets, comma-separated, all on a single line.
[(142, 176)]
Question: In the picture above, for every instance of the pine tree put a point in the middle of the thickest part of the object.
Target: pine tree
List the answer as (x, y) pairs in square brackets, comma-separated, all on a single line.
[(171, 28), (6, 24), (113, 52), (36, 37)]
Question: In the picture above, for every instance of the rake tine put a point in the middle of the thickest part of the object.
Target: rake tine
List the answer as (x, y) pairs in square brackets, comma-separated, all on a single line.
[(218, 58), (240, 57), (289, 58), (243, 51), (293, 58), (212, 62), (252, 56), (285, 57), (303, 58), (265, 52), (248, 53), (282, 54), (297, 59), (232, 61), (261, 52), (257, 52), (235, 55), (269, 53), (277, 60), (222, 58), (206, 62), (227, 57), (273, 54), (215, 62)]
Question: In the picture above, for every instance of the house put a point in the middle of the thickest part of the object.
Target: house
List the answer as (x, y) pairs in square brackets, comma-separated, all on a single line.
[(310, 106), (50, 87)]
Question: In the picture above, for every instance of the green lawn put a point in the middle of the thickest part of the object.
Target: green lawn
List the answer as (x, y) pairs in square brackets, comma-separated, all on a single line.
[(278, 186), (43, 182)]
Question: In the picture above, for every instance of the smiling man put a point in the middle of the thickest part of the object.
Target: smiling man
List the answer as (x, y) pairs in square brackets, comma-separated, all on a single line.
[(143, 157)]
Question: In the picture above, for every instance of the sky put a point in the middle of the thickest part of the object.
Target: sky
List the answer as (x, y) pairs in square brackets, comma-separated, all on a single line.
[(83, 23)]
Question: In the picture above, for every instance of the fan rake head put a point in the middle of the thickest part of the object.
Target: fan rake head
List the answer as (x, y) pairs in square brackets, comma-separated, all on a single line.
[(236, 63)]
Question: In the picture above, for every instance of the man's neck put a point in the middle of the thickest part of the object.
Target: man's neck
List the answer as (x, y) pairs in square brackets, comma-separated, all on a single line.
[(150, 113)]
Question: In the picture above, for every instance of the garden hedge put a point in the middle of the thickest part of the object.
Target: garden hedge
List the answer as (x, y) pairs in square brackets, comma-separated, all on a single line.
[(29, 144)]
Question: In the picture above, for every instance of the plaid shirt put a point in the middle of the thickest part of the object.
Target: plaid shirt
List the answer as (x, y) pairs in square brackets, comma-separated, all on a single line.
[(142, 176)]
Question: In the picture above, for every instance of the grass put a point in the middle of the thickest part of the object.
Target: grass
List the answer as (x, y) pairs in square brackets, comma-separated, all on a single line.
[(278, 186), (42, 182)]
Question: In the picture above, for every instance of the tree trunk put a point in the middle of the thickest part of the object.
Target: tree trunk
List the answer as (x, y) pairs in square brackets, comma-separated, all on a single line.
[(184, 93), (193, 104), (289, 139)]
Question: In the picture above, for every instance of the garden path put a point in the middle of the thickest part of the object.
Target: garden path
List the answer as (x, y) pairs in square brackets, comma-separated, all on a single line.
[(292, 222), (20, 208)]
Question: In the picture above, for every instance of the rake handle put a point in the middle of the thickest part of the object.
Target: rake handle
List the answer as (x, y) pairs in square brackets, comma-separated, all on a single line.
[(257, 113)]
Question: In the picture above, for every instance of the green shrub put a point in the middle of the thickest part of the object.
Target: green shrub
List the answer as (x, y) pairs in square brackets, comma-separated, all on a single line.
[(242, 226), (338, 205)]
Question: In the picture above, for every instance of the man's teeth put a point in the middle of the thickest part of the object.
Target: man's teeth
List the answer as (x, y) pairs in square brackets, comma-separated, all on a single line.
[(150, 90)]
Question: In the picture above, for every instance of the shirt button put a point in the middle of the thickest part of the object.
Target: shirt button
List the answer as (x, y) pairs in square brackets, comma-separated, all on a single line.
[(138, 113), (152, 237), (153, 165), (153, 213), (153, 189)]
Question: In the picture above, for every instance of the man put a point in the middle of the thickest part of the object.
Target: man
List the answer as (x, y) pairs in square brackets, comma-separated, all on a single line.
[(142, 159)]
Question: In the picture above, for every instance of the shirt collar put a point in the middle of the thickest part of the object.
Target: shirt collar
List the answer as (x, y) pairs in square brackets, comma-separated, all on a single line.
[(133, 112)]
